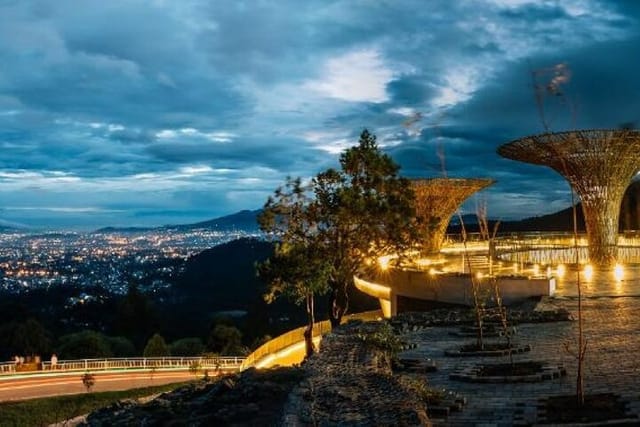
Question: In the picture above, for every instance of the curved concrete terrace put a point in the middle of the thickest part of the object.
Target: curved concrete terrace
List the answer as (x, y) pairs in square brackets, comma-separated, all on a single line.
[(448, 279), (525, 265)]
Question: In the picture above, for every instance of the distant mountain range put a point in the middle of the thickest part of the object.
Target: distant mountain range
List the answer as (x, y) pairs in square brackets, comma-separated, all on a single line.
[(245, 220)]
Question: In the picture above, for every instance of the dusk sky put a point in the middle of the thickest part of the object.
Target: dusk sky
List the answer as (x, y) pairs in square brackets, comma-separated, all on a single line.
[(126, 112)]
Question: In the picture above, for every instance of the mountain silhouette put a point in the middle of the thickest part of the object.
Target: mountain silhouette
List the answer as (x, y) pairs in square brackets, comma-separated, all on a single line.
[(563, 219), (245, 220)]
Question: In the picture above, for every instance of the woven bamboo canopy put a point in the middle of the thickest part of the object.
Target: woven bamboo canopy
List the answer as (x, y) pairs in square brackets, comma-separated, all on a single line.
[(599, 164), (436, 200)]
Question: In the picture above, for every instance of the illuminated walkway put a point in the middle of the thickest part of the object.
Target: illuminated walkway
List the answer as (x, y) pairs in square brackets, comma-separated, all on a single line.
[(613, 333), (601, 284)]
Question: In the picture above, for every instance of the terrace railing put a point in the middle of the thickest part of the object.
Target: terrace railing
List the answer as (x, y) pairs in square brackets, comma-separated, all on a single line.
[(213, 364)]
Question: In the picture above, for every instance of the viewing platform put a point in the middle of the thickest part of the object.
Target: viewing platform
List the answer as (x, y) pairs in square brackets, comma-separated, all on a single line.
[(521, 265)]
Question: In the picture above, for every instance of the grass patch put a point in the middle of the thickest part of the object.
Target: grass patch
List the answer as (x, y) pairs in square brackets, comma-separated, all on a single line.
[(49, 410)]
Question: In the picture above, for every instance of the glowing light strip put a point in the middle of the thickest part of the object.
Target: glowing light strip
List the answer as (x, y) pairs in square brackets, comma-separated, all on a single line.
[(373, 289)]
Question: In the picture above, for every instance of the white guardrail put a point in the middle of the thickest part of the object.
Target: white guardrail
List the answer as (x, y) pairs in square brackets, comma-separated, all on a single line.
[(213, 364)]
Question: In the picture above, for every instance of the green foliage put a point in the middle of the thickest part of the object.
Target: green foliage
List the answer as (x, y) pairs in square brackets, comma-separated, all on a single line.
[(135, 317), (295, 272), (156, 347), (226, 340), (88, 380), (187, 347), (342, 219), (25, 338), (121, 347), (84, 345), (382, 338)]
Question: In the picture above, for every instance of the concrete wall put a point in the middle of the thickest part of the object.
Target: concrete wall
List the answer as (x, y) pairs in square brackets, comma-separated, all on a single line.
[(448, 288)]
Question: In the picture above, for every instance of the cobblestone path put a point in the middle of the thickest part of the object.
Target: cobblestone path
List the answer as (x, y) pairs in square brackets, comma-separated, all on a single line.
[(612, 328)]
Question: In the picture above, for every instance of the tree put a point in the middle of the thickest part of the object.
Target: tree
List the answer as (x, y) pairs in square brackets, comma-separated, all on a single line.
[(84, 345), (187, 347), (28, 337), (88, 380), (225, 340), (135, 316), (121, 347), (156, 347), (560, 75), (353, 215), (296, 272)]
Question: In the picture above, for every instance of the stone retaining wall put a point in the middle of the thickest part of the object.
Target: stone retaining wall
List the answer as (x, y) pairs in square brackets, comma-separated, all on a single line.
[(350, 383)]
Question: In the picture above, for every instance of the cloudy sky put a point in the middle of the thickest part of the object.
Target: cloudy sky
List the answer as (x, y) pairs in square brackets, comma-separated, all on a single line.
[(147, 112)]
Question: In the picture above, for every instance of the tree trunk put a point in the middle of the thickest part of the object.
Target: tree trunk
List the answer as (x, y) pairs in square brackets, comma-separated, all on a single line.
[(308, 332), (338, 303)]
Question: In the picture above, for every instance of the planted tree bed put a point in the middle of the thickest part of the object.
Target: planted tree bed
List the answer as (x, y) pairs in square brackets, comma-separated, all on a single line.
[(524, 313), (518, 372), (488, 350), (598, 409), (488, 331)]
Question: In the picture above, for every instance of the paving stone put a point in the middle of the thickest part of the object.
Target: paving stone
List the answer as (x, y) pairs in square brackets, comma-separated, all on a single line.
[(612, 331)]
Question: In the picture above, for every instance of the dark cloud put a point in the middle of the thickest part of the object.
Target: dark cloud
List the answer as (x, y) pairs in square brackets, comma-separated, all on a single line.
[(410, 91), (132, 108)]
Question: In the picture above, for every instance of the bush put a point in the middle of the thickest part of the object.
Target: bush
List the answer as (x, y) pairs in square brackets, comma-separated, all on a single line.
[(84, 345), (121, 347), (187, 347), (383, 339), (226, 340), (156, 347)]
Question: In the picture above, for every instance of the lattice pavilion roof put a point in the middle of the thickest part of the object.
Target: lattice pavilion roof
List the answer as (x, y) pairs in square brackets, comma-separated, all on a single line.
[(599, 164), (604, 155), (444, 195)]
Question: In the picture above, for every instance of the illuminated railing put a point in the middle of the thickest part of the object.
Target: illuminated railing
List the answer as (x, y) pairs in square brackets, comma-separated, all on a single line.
[(213, 364), (296, 336), (556, 247)]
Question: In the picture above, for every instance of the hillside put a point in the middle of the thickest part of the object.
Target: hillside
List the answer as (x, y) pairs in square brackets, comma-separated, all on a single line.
[(563, 220), (225, 274), (224, 278), (246, 220)]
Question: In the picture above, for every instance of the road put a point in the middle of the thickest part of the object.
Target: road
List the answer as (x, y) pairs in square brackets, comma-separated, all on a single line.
[(34, 386)]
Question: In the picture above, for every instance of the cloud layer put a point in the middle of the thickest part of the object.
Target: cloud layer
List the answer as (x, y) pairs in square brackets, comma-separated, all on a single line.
[(149, 112)]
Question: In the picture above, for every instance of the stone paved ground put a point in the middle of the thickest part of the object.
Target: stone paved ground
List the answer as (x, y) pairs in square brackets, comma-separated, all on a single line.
[(612, 328)]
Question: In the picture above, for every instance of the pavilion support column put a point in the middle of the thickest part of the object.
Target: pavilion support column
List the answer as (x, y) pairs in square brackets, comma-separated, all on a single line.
[(432, 243), (601, 221)]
